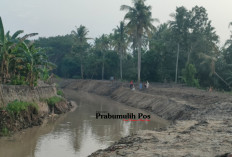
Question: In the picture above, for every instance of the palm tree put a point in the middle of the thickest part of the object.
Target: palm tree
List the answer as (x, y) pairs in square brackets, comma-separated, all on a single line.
[(180, 28), (229, 41), (120, 42), (140, 20), (102, 44), (80, 45)]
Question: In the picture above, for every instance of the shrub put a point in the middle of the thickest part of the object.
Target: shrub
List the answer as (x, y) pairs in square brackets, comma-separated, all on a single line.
[(16, 106), (53, 100), (18, 81), (60, 92), (188, 75), (4, 131)]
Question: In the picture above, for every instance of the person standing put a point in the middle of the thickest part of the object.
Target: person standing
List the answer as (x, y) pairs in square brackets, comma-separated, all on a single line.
[(131, 84), (147, 84)]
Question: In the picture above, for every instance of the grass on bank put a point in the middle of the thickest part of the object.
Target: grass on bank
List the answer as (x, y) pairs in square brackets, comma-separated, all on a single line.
[(60, 92), (53, 100), (4, 132), (16, 106)]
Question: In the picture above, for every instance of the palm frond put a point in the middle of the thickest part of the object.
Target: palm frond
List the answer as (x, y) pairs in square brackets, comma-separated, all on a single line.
[(230, 24), (125, 8), (15, 35), (2, 35)]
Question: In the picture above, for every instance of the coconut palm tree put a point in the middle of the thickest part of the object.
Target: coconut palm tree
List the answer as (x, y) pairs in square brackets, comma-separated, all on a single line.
[(180, 26), (102, 44), (80, 45), (229, 41), (139, 18), (120, 42)]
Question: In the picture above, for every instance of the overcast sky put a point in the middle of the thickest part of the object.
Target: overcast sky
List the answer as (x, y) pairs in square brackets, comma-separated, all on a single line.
[(59, 17)]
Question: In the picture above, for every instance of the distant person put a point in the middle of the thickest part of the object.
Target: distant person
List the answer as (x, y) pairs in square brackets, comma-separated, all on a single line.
[(133, 88), (131, 84), (147, 84), (210, 89)]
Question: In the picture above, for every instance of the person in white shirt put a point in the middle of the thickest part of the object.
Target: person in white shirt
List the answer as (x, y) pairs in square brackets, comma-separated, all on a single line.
[(147, 85)]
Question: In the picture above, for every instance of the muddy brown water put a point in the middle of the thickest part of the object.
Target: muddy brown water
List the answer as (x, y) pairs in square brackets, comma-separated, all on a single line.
[(78, 133)]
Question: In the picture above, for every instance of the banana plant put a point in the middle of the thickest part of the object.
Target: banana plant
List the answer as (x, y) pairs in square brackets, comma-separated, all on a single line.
[(8, 45), (35, 61), (6, 42)]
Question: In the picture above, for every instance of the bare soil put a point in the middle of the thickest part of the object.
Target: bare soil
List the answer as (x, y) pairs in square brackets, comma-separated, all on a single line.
[(202, 120)]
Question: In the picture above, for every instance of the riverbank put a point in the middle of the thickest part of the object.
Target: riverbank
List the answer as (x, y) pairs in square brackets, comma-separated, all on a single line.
[(202, 122), (22, 107)]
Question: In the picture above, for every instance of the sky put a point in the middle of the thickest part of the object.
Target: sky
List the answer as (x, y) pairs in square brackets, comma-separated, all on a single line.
[(59, 17)]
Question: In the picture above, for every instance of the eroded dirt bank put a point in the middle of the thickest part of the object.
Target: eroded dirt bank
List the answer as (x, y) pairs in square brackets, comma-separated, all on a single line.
[(171, 102), (11, 122), (202, 120)]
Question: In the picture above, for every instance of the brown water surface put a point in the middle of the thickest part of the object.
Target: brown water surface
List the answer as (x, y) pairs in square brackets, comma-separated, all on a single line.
[(78, 133)]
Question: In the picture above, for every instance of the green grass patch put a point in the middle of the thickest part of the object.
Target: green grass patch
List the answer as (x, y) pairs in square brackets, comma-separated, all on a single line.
[(5, 131), (60, 92), (16, 106), (53, 100)]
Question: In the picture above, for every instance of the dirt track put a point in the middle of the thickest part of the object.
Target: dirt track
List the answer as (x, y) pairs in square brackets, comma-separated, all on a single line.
[(202, 127)]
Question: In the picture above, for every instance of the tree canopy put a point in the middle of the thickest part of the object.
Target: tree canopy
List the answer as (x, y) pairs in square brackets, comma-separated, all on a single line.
[(184, 49)]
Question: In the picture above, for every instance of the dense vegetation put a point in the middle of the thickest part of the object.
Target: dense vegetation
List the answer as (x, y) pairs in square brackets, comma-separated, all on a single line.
[(183, 50), (21, 62)]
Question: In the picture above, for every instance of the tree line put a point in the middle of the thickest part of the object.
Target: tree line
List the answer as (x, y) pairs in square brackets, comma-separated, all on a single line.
[(182, 50)]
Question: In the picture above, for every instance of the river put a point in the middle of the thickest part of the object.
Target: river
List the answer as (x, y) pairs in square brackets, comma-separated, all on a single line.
[(77, 133)]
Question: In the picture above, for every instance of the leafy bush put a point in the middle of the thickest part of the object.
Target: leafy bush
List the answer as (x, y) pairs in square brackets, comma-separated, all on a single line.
[(188, 75), (18, 81), (60, 92), (53, 100), (4, 131), (44, 74), (16, 106)]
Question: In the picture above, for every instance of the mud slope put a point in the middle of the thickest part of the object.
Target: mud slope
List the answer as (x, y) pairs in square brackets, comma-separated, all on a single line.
[(202, 124), (185, 139), (167, 101)]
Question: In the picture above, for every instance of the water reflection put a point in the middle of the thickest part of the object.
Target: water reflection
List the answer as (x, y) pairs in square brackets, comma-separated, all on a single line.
[(77, 133)]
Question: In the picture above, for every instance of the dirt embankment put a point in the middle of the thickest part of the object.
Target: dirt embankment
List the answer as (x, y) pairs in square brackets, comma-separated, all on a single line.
[(202, 120), (184, 139), (171, 102), (11, 122)]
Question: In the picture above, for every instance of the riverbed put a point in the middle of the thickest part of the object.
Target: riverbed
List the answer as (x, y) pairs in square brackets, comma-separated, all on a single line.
[(77, 133)]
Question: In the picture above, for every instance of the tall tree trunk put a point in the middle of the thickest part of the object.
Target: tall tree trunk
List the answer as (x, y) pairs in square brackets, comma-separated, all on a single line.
[(1, 94), (177, 60), (139, 58), (2, 69), (189, 53), (103, 67), (121, 64), (82, 73)]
